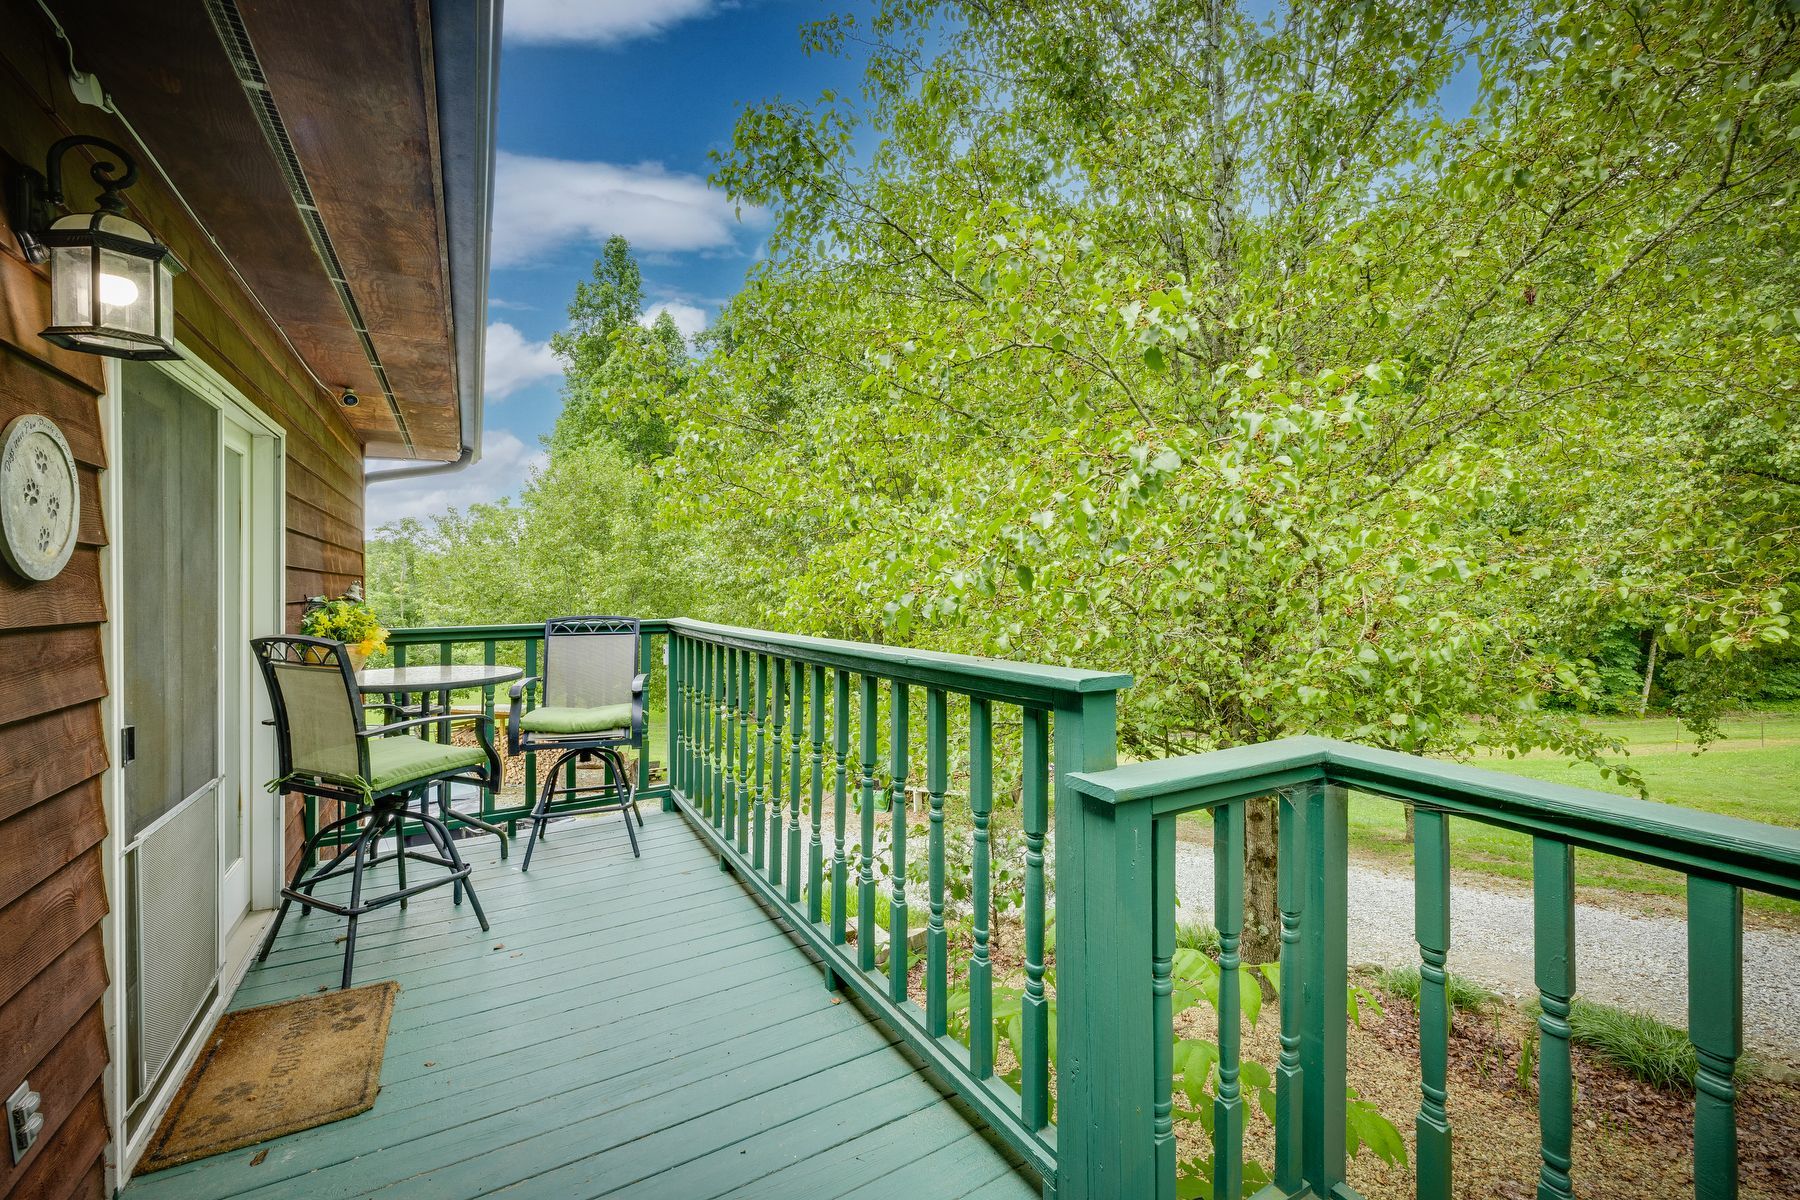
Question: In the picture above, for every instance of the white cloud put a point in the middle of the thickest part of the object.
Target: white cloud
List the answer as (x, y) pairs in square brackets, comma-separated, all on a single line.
[(542, 204), (506, 463), (689, 318), (514, 361), (597, 22)]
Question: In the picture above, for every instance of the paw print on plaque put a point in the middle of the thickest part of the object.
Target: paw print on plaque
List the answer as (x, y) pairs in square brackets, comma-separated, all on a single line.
[(33, 493)]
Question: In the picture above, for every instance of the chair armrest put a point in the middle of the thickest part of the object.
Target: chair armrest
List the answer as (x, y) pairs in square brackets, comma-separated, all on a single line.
[(514, 710), (435, 718), (638, 683)]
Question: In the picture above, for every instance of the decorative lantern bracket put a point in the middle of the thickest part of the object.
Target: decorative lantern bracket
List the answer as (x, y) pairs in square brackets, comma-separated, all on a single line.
[(37, 199)]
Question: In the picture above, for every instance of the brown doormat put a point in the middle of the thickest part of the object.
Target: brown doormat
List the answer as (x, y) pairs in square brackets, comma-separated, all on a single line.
[(278, 1069)]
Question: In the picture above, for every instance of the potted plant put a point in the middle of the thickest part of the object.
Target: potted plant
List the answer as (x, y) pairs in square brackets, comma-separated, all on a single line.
[(347, 619)]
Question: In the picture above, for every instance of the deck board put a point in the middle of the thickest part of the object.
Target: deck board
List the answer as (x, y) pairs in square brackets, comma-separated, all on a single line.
[(628, 1028)]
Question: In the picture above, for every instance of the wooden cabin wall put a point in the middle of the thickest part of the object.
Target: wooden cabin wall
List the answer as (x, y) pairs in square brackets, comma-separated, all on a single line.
[(52, 678)]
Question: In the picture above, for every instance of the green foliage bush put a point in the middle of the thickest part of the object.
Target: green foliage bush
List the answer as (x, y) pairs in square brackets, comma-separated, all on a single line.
[(1465, 994)]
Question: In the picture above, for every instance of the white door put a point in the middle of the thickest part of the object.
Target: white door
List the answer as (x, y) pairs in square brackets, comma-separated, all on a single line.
[(237, 790)]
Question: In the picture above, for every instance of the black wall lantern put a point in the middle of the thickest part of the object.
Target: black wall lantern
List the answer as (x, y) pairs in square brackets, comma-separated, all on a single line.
[(111, 283)]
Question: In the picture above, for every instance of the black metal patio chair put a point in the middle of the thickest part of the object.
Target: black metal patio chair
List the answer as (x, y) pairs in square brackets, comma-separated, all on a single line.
[(593, 708), (326, 750)]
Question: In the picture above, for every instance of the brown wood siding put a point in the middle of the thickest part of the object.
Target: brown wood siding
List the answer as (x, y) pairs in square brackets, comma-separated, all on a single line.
[(53, 971)]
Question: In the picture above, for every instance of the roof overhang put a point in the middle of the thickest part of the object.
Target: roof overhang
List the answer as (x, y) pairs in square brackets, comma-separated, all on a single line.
[(341, 155)]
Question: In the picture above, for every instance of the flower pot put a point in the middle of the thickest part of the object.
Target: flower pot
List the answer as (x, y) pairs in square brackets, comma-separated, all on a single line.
[(358, 656)]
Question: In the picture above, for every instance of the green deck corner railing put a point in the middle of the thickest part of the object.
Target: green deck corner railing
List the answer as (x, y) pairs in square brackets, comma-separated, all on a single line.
[(794, 758), (752, 759), (1115, 1073)]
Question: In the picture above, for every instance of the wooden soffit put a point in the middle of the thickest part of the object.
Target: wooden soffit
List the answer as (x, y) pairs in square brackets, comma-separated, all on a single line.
[(352, 86)]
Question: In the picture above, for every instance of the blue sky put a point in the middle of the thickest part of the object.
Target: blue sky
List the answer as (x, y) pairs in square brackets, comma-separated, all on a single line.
[(608, 109)]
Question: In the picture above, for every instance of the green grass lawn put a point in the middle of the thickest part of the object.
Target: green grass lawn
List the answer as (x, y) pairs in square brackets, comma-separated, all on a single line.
[(1753, 773)]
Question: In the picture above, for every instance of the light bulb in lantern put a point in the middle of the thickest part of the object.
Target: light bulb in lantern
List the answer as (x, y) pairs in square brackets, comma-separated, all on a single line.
[(117, 291)]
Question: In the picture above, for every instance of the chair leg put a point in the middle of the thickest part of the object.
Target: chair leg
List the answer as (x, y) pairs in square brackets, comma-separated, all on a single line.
[(288, 893), (431, 831), (449, 845), (399, 824), (540, 812), (623, 791), (356, 881)]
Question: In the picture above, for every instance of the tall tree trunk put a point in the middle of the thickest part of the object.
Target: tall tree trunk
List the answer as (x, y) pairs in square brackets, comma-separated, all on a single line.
[(1262, 912), (1649, 675), (1222, 207)]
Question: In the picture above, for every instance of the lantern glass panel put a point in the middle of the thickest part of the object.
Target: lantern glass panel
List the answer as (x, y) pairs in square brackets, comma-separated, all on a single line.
[(71, 281), (127, 293)]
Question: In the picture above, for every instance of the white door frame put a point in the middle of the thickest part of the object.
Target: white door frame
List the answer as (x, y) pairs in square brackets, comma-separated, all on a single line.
[(266, 587)]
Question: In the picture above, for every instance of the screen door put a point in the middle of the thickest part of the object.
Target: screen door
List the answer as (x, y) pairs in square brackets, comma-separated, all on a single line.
[(170, 464)]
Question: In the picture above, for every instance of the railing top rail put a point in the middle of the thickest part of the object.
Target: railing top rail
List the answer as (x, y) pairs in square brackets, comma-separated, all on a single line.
[(1764, 857), (430, 634), (999, 678)]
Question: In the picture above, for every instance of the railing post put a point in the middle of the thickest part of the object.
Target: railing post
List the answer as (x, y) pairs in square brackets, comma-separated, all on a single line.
[(1324, 983), (1553, 948), (1105, 972), (1716, 1027)]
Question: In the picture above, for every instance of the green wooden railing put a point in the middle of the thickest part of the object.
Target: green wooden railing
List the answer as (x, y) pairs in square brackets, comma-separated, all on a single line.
[(1116, 1045), (777, 743), (748, 716)]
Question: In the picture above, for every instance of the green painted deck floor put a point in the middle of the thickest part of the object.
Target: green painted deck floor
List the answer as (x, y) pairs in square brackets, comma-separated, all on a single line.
[(628, 1028)]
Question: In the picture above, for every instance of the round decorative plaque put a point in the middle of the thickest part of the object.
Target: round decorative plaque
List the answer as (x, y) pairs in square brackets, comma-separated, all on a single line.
[(40, 497)]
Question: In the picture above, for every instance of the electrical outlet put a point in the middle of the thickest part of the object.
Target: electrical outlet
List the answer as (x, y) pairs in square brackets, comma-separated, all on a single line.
[(23, 1120)]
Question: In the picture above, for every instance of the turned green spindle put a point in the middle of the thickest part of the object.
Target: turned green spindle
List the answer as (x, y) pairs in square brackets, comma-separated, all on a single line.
[(697, 719), (898, 960), (815, 866), (1162, 1006), (1431, 926), (1716, 1028), (1228, 917), (840, 737), (720, 731), (1553, 931), (715, 722), (703, 715), (1034, 1018), (796, 755), (1290, 897), (778, 725), (937, 949), (746, 798), (981, 966), (728, 760), (702, 656), (865, 875), (687, 718), (762, 756), (674, 714)]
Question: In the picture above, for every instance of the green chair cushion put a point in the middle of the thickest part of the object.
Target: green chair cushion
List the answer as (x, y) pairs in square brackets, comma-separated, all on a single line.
[(394, 761), (565, 721)]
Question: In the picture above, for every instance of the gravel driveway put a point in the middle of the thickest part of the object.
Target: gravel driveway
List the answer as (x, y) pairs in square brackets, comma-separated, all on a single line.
[(1637, 962)]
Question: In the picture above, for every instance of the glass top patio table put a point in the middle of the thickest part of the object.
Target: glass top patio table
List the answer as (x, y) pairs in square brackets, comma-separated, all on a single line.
[(437, 680)]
